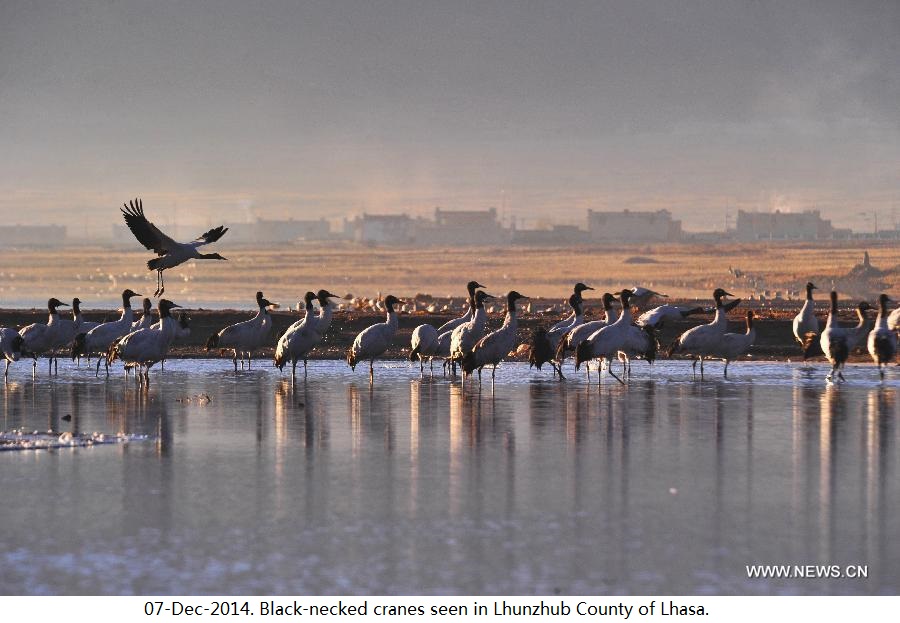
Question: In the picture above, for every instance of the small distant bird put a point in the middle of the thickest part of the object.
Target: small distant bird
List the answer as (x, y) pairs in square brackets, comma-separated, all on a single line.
[(170, 253), (374, 340), (882, 340)]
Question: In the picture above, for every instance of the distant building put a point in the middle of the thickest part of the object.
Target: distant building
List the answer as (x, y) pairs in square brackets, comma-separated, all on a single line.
[(32, 235), (778, 225), (381, 229), (557, 235), (461, 227), (629, 226), (263, 231)]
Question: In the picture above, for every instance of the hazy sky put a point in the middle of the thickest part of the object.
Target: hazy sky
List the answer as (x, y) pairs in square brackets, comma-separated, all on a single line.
[(215, 110)]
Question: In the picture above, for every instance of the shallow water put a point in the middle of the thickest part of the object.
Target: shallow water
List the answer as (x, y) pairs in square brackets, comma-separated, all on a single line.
[(247, 485)]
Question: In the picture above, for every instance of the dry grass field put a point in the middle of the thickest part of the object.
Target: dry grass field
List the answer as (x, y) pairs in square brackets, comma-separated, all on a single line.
[(96, 275)]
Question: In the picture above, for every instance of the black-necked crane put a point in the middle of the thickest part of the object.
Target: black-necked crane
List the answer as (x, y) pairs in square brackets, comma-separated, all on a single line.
[(146, 319), (424, 345), (465, 336), (428, 342), (242, 338), (659, 315), (576, 335), (544, 342), (97, 340), (574, 318), (326, 311), (856, 336), (495, 346), (170, 252), (302, 337), (145, 347), (882, 340), (298, 339), (620, 336), (806, 322), (702, 341), (834, 342), (452, 324), (734, 345), (640, 296), (10, 347), (375, 340), (894, 320), (38, 338)]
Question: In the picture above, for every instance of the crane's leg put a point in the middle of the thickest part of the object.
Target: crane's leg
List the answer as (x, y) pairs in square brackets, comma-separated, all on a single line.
[(162, 287), (726, 368), (56, 366), (249, 358), (492, 372), (97, 373), (234, 360), (701, 367), (34, 367), (694, 367), (293, 369), (421, 366), (6, 372), (305, 361), (609, 369), (371, 371), (50, 366)]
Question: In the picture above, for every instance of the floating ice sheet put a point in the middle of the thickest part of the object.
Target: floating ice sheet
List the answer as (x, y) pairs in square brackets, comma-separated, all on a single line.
[(46, 440)]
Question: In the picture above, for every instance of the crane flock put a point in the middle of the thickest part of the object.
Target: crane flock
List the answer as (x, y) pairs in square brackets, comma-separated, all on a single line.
[(461, 342)]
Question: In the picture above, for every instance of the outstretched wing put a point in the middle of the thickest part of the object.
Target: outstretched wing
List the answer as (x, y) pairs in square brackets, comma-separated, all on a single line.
[(211, 236), (146, 232)]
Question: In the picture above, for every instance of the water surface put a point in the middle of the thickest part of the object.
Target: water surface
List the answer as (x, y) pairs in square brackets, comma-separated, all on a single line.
[(249, 485)]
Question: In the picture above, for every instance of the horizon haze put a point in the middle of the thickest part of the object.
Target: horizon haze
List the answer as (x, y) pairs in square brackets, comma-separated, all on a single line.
[(222, 111)]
